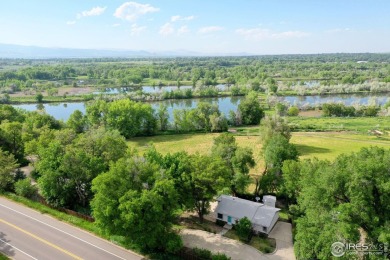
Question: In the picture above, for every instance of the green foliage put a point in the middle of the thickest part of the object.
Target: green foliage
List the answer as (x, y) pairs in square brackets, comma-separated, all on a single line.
[(281, 109), (162, 117), (250, 109), (133, 199), (68, 164), (7, 166), (341, 110), (238, 160), (272, 125), (340, 201), (277, 150), (205, 116), (77, 122), (202, 253), (24, 188), (293, 111), (39, 97), (244, 229), (11, 139), (131, 118)]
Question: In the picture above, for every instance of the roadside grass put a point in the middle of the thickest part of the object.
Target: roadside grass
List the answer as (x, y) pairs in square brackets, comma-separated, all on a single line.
[(265, 245), (75, 221), (3, 257)]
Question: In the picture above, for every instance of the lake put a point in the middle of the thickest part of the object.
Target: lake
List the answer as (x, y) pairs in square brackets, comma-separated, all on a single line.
[(152, 89), (62, 111)]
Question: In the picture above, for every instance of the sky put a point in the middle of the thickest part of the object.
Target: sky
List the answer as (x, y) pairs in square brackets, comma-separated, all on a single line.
[(204, 26)]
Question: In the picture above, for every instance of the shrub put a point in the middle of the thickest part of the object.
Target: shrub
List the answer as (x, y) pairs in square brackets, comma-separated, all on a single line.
[(244, 229), (293, 111), (25, 188), (205, 254), (220, 256), (202, 253)]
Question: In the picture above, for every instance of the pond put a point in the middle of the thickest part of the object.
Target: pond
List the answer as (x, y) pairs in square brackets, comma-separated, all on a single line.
[(62, 111), (151, 89)]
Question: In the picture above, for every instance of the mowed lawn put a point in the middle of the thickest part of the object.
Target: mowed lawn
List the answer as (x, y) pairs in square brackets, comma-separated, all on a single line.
[(323, 145)]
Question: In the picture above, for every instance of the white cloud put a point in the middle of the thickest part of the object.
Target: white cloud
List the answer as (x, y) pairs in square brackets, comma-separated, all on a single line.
[(176, 18), (210, 29), (167, 29), (71, 22), (262, 34), (131, 11), (337, 30), (116, 25), (136, 30), (182, 30), (93, 12)]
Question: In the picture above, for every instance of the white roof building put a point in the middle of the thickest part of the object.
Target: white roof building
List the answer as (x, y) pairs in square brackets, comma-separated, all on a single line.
[(263, 217)]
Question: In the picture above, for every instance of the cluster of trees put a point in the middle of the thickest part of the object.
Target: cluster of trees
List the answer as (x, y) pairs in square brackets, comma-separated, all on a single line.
[(259, 72), (17, 128), (205, 117), (345, 200), (89, 168), (276, 149), (341, 110)]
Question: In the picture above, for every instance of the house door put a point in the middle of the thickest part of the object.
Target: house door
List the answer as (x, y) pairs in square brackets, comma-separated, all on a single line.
[(229, 220)]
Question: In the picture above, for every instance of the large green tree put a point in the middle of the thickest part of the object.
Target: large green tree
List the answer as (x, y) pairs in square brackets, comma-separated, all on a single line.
[(250, 109), (238, 160), (131, 118), (346, 201), (134, 199), (8, 165)]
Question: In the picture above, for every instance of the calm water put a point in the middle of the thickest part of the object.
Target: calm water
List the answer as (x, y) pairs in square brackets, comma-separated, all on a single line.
[(62, 111), (151, 89)]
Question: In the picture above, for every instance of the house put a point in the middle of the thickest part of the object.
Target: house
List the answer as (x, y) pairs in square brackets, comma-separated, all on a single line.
[(262, 215)]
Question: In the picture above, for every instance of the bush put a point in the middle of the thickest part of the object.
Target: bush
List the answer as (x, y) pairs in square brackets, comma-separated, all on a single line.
[(25, 188), (205, 254), (220, 256), (293, 111), (244, 229), (202, 253)]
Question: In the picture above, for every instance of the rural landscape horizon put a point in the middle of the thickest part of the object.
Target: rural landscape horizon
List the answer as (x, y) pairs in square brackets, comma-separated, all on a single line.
[(198, 130)]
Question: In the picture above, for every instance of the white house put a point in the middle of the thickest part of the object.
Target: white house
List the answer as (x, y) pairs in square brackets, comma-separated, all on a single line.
[(263, 216)]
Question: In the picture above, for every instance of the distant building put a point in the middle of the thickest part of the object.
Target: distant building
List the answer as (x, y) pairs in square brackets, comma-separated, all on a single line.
[(263, 216)]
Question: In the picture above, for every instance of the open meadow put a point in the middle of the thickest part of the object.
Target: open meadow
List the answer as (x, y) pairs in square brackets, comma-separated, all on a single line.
[(323, 145)]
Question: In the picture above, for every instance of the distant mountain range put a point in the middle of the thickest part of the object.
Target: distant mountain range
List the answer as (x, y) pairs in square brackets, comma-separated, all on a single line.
[(34, 52)]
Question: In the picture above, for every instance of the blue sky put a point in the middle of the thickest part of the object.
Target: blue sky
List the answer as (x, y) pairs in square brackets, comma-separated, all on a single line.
[(206, 26)]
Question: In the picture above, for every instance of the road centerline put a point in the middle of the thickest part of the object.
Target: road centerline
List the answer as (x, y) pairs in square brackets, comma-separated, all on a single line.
[(41, 239), (82, 240)]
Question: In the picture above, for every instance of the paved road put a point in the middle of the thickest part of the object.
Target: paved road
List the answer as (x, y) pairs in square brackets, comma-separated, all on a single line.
[(28, 234)]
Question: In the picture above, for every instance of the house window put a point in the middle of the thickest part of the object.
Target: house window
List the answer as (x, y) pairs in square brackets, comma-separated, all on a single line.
[(264, 229), (220, 216)]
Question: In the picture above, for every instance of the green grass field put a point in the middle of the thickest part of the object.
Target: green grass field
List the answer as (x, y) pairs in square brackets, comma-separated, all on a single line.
[(358, 124), (323, 145)]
